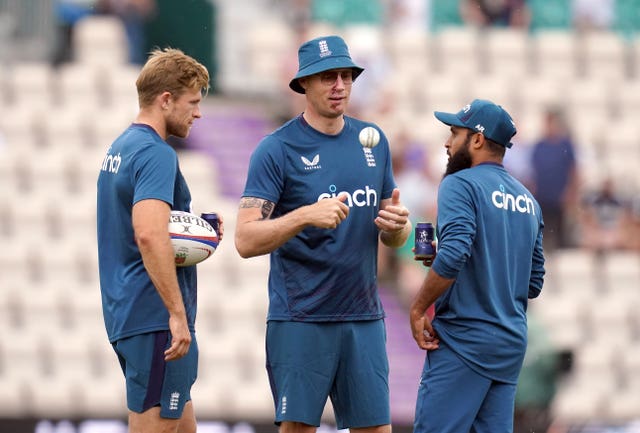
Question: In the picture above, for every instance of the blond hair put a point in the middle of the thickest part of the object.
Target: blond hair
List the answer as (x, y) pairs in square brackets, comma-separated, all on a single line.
[(170, 70)]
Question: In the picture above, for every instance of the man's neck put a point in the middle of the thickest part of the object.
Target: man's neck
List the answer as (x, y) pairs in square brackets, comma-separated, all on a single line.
[(154, 120), (326, 125)]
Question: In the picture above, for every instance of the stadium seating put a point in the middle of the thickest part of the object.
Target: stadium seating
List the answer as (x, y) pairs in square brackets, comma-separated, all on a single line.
[(507, 53), (457, 51), (410, 50), (49, 165), (605, 55), (555, 54), (100, 40), (30, 83)]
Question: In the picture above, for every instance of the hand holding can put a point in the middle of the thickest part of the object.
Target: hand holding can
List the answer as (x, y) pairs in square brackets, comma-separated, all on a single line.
[(424, 234), (213, 220)]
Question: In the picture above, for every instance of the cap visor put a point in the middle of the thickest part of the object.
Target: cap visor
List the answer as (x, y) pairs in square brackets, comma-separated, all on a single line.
[(448, 119)]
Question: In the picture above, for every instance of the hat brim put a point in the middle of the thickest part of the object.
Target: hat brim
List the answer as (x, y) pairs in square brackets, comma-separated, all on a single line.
[(452, 120), (324, 65), (449, 119)]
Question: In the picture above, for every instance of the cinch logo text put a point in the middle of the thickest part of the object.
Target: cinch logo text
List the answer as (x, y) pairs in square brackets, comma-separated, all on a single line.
[(111, 163), (521, 203), (359, 198)]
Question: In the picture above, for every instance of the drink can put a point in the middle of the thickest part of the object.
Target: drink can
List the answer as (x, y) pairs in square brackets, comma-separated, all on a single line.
[(423, 242), (212, 219)]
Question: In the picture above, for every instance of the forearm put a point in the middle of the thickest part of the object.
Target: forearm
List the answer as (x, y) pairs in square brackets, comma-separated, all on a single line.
[(149, 218), (537, 268), (158, 258), (262, 236), (396, 239), (432, 287), (257, 233)]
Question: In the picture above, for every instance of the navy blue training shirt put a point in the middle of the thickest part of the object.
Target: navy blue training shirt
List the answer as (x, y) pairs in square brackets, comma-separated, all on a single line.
[(489, 240), (323, 274)]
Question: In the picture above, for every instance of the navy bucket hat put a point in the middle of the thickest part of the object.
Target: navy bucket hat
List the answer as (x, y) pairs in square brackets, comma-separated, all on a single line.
[(322, 54), (483, 116)]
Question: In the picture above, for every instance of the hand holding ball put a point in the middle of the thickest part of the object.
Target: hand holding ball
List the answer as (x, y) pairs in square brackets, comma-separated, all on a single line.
[(193, 239), (369, 137)]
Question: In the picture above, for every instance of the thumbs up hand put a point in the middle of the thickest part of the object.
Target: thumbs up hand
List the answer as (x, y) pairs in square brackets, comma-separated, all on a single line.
[(395, 197), (393, 216)]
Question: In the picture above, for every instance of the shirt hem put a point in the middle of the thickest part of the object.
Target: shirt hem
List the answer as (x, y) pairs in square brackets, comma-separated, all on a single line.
[(325, 319)]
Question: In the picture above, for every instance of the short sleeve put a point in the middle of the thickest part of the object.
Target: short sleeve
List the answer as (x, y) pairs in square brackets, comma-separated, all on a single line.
[(265, 177), (154, 173)]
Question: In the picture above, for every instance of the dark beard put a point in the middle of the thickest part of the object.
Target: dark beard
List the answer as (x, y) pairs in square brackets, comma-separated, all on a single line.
[(459, 160)]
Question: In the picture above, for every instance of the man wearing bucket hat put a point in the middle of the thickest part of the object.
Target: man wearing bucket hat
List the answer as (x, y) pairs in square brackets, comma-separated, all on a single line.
[(489, 263), (320, 195)]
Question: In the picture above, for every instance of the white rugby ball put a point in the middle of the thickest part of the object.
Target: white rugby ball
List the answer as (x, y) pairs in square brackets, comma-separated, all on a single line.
[(193, 239)]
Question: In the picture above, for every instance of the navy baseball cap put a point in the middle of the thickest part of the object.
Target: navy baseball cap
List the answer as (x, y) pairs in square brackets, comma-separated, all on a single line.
[(321, 54), (483, 116)]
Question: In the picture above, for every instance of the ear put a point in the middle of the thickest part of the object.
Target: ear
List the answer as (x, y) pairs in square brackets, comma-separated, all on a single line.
[(478, 140), (303, 82), (165, 98)]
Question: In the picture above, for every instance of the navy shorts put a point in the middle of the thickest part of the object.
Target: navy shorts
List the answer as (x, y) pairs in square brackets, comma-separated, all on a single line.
[(454, 398), (345, 361), (152, 381)]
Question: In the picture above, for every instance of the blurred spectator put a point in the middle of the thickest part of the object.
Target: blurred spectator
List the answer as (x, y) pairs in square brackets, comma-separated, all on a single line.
[(593, 14), (605, 218), (67, 14), (134, 15), (554, 178), (518, 160), (499, 13)]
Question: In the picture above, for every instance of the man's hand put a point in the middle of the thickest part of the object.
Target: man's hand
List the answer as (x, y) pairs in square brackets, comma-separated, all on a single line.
[(393, 217), (429, 260), (328, 213), (422, 330), (220, 227), (180, 338)]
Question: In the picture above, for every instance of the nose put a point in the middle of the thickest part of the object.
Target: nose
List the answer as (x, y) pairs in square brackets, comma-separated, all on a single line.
[(339, 84)]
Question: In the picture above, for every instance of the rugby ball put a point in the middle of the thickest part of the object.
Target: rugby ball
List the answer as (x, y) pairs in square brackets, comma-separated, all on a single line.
[(193, 239)]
